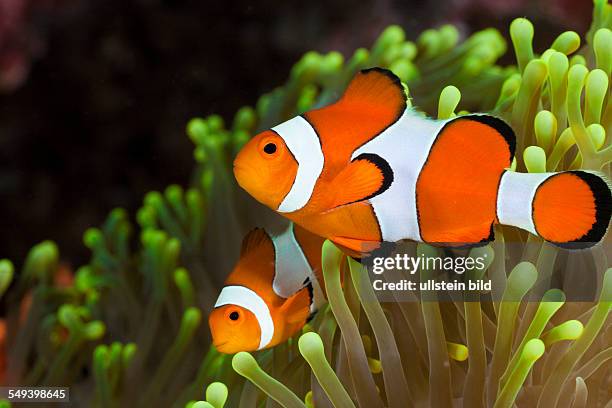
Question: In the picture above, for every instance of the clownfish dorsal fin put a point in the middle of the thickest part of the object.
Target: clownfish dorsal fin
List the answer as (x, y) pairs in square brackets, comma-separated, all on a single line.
[(365, 177), (296, 308), (373, 90), (374, 100), (253, 240)]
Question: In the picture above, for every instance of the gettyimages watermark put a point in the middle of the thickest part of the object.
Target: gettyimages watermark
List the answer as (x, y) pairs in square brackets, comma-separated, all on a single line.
[(408, 272)]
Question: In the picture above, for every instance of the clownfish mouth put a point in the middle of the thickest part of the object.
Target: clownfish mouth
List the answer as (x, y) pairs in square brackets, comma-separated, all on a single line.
[(226, 348), (241, 173)]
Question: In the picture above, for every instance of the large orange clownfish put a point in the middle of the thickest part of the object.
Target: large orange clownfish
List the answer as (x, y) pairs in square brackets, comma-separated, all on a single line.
[(368, 168), (272, 291)]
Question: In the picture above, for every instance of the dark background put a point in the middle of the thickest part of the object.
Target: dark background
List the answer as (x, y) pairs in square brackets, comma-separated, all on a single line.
[(95, 95)]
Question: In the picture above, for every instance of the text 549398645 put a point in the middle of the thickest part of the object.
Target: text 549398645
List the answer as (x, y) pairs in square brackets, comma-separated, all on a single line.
[(35, 394)]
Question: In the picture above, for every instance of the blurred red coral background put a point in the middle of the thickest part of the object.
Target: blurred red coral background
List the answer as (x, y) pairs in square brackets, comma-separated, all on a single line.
[(21, 37)]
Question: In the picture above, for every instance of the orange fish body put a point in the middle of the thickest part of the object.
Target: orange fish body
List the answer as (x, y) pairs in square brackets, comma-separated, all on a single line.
[(272, 291), (368, 169)]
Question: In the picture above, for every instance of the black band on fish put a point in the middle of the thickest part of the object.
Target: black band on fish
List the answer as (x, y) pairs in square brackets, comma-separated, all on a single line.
[(311, 297), (502, 128), (483, 242)]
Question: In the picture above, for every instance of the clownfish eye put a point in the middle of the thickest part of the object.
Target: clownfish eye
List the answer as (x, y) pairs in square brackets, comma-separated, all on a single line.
[(234, 316), (270, 148)]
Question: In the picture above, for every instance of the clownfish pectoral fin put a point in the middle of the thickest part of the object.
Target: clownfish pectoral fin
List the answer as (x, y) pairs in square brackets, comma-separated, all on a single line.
[(254, 239), (375, 88), (296, 308), (366, 176)]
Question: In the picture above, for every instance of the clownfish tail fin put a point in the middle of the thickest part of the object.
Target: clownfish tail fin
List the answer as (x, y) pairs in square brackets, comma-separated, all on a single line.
[(570, 209)]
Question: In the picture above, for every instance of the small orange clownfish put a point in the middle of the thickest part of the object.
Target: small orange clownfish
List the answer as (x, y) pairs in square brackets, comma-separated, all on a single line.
[(271, 293), (368, 169)]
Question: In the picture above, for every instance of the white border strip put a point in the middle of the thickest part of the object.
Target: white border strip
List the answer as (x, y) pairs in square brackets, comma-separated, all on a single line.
[(303, 142), (248, 299), (515, 198), (405, 145)]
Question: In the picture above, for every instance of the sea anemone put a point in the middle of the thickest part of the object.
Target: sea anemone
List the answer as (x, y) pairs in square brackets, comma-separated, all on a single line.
[(547, 353)]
